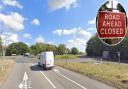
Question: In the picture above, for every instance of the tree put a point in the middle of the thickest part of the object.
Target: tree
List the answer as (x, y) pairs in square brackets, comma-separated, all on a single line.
[(35, 49), (18, 48), (61, 49), (50, 47), (74, 51), (42, 47), (23, 48), (68, 51), (12, 49), (95, 48)]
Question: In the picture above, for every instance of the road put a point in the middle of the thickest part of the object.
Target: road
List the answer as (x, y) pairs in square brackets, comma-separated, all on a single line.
[(26, 74)]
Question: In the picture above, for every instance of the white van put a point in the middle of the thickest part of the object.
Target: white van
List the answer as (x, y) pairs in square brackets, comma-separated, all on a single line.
[(46, 59)]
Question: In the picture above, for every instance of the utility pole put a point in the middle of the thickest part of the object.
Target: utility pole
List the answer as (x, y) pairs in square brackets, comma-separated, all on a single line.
[(4, 48)]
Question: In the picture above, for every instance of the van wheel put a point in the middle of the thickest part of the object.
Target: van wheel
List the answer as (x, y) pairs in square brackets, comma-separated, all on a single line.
[(44, 67)]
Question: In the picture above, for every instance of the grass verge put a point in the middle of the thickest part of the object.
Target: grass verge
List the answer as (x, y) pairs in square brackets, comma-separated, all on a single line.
[(112, 74), (65, 56), (5, 69)]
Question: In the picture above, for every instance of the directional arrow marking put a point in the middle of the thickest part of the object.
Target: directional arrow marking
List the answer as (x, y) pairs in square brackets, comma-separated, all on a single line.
[(25, 76), (24, 84)]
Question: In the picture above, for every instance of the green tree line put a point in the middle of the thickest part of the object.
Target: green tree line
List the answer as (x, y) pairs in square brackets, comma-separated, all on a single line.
[(95, 48), (19, 48), (59, 50)]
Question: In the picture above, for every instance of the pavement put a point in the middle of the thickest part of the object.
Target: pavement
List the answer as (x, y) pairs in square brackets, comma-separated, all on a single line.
[(26, 74)]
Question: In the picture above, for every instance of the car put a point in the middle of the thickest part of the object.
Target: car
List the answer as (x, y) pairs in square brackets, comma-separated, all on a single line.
[(46, 60), (13, 54), (26, 54)]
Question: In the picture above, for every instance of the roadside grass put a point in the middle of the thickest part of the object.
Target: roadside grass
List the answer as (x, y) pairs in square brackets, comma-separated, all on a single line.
[(66, 56), (5, 69), (109, 73)]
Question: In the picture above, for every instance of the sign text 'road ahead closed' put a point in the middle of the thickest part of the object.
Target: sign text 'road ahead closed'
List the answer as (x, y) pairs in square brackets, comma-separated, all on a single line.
[(111, 24)]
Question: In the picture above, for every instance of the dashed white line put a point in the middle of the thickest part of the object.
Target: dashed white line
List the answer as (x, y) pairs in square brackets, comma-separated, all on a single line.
[(57, 71), (48, 79)]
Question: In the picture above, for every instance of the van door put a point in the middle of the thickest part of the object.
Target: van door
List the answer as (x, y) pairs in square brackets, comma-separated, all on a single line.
[(49, 59)]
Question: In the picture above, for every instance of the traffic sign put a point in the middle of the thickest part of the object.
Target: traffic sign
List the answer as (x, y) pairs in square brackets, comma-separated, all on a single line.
[(111, 25)]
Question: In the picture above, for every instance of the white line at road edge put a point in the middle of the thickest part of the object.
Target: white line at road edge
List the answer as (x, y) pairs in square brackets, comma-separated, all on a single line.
[(48, 79), (57, 71)]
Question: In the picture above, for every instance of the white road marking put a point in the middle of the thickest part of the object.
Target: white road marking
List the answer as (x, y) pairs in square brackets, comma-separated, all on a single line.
[(24, 84), (48, 79), (58, 72), (25, 76)]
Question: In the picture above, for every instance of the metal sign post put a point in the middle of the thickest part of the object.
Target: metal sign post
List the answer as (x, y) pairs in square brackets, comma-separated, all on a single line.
[(119, 56), (111, 23)]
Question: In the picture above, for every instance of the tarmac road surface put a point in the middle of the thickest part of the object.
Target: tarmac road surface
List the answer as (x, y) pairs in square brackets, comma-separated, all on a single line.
[(26, 74)]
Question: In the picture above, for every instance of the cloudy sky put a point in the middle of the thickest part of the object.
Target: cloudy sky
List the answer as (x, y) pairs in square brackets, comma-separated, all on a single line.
[(71, 22)]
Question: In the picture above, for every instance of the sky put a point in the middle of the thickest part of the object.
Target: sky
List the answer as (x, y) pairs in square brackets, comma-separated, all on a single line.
[(69, 22)]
